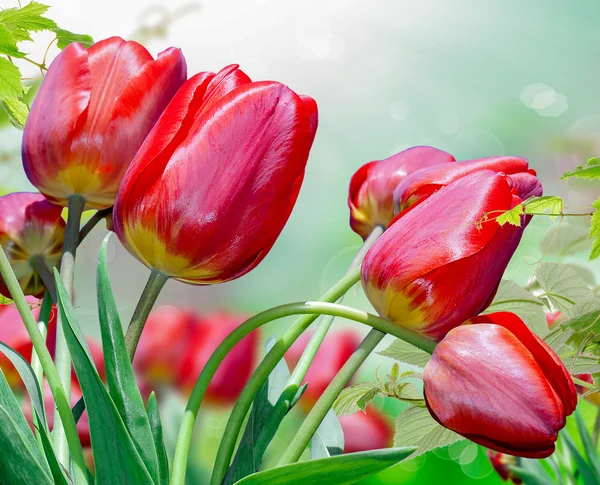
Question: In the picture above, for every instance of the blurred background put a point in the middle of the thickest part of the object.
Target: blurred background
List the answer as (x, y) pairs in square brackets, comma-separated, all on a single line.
[(473, 77)]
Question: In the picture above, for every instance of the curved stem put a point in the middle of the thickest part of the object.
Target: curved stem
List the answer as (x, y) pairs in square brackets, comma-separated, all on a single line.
[(155, 284), (596, 429), (323, 405), (94, 220), (76, 205), (269, 362), (39, 344), (39, 266)]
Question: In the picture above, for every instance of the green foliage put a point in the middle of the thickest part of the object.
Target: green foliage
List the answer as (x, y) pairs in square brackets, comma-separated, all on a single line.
[(159, 443), (8, 43), (416, 427), (539, 205), (589, 171), (407, 353), (595, 230), (10, 80), (29, 18), (328, 439), (562, 286), (512, 216), (64, 38), (337, 470)]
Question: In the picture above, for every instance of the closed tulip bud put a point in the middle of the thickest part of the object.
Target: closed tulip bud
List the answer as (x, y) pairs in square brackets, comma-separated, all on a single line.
[(214, 183), (336, 349), (235, 370), (554, 318), (502, 463), (364, 431), (593, 397), (422, 183), (370, 197), (498, 384), (30, 227), (438, 264), (92, 113)]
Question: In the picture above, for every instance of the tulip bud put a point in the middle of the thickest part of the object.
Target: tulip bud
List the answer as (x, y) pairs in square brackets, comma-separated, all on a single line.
[(554, 318), (30, 227), (594, 397), (498, 384), (364, 431), (336, 349), (438, 264), (502, 464), (422, 183), (92, 113), (370, 197), (216, 180), (230, 379)]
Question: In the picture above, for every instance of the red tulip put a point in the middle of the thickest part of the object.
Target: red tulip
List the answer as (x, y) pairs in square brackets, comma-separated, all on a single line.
[(594, 397), (92, 113), (30, 227), (366, 431), (421, 184), (437, 265), (215, 181), (498, 384), (330, 358), (554, 318), (502, 464), (235, 370), (372, 186)]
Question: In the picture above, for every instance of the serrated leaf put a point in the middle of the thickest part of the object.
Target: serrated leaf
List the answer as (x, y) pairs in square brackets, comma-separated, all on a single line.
[(5, 301), (29, 17), (408, 392), (64, 38), (8, 43), (583, 364), (10, 80), (538, 205), (348, 401), (121, 379), (569, 237), (590, 171), (562, 285), (512, 216), (595, 230), (558, 337), (337, 470), (416, 427), (16, 110), (511, 297), (159, 442), (404, 352), (328, 439)]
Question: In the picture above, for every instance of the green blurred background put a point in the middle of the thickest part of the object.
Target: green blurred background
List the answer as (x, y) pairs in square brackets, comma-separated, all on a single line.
[(473, 77)]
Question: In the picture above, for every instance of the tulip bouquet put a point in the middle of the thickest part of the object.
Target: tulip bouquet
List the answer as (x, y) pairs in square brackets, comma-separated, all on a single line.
[(197, 177)]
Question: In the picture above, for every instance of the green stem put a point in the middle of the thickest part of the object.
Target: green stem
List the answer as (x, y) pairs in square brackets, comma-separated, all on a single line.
[(269, 362), (323, 405), (155, 284), (596, 429), (39, 344), (581, 383), (76, 205), (38, 264), (94, 220)]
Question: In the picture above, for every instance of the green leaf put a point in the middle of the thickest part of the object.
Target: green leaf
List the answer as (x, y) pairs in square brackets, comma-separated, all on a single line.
[(64, 38), (533, 475), (589, 171), (587, 473), (510, 297), (562, 286), (567, 238), (8, 43), (328, 439), (21, 460), (595, 230), (58, 472), (583, 364), (121, 379), (28, 18), (538, 205), (337, 470), (10, 80), (588, 446), (159, 442), (5, 301), (416, 427), (348, 401), (115, 456), (16, 110), (404, 352), (512, 216)]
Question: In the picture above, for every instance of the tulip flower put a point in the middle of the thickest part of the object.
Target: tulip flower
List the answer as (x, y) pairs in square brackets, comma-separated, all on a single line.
[(438, 264), (92, 113), (30, 228), (502, 463), (230, 379), (594, 397), (498, 384), (216, 180), (421, 184), (370, 197), (554, 318), (364, 431), (333, 353)]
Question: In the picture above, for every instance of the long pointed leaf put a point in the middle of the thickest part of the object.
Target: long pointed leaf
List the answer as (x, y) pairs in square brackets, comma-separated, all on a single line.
[(159, 442), (58, 472), (121, 380), (329, 438), (588, 474), (115, 456), (337, 470), (586, 439)]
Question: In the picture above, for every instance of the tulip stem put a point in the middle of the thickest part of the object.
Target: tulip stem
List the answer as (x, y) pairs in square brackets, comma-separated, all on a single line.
[(325, 402), (94, 220), (155, 284), (596, 429), (76, 205), (41, 268), (581, 383), (39, 345)]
